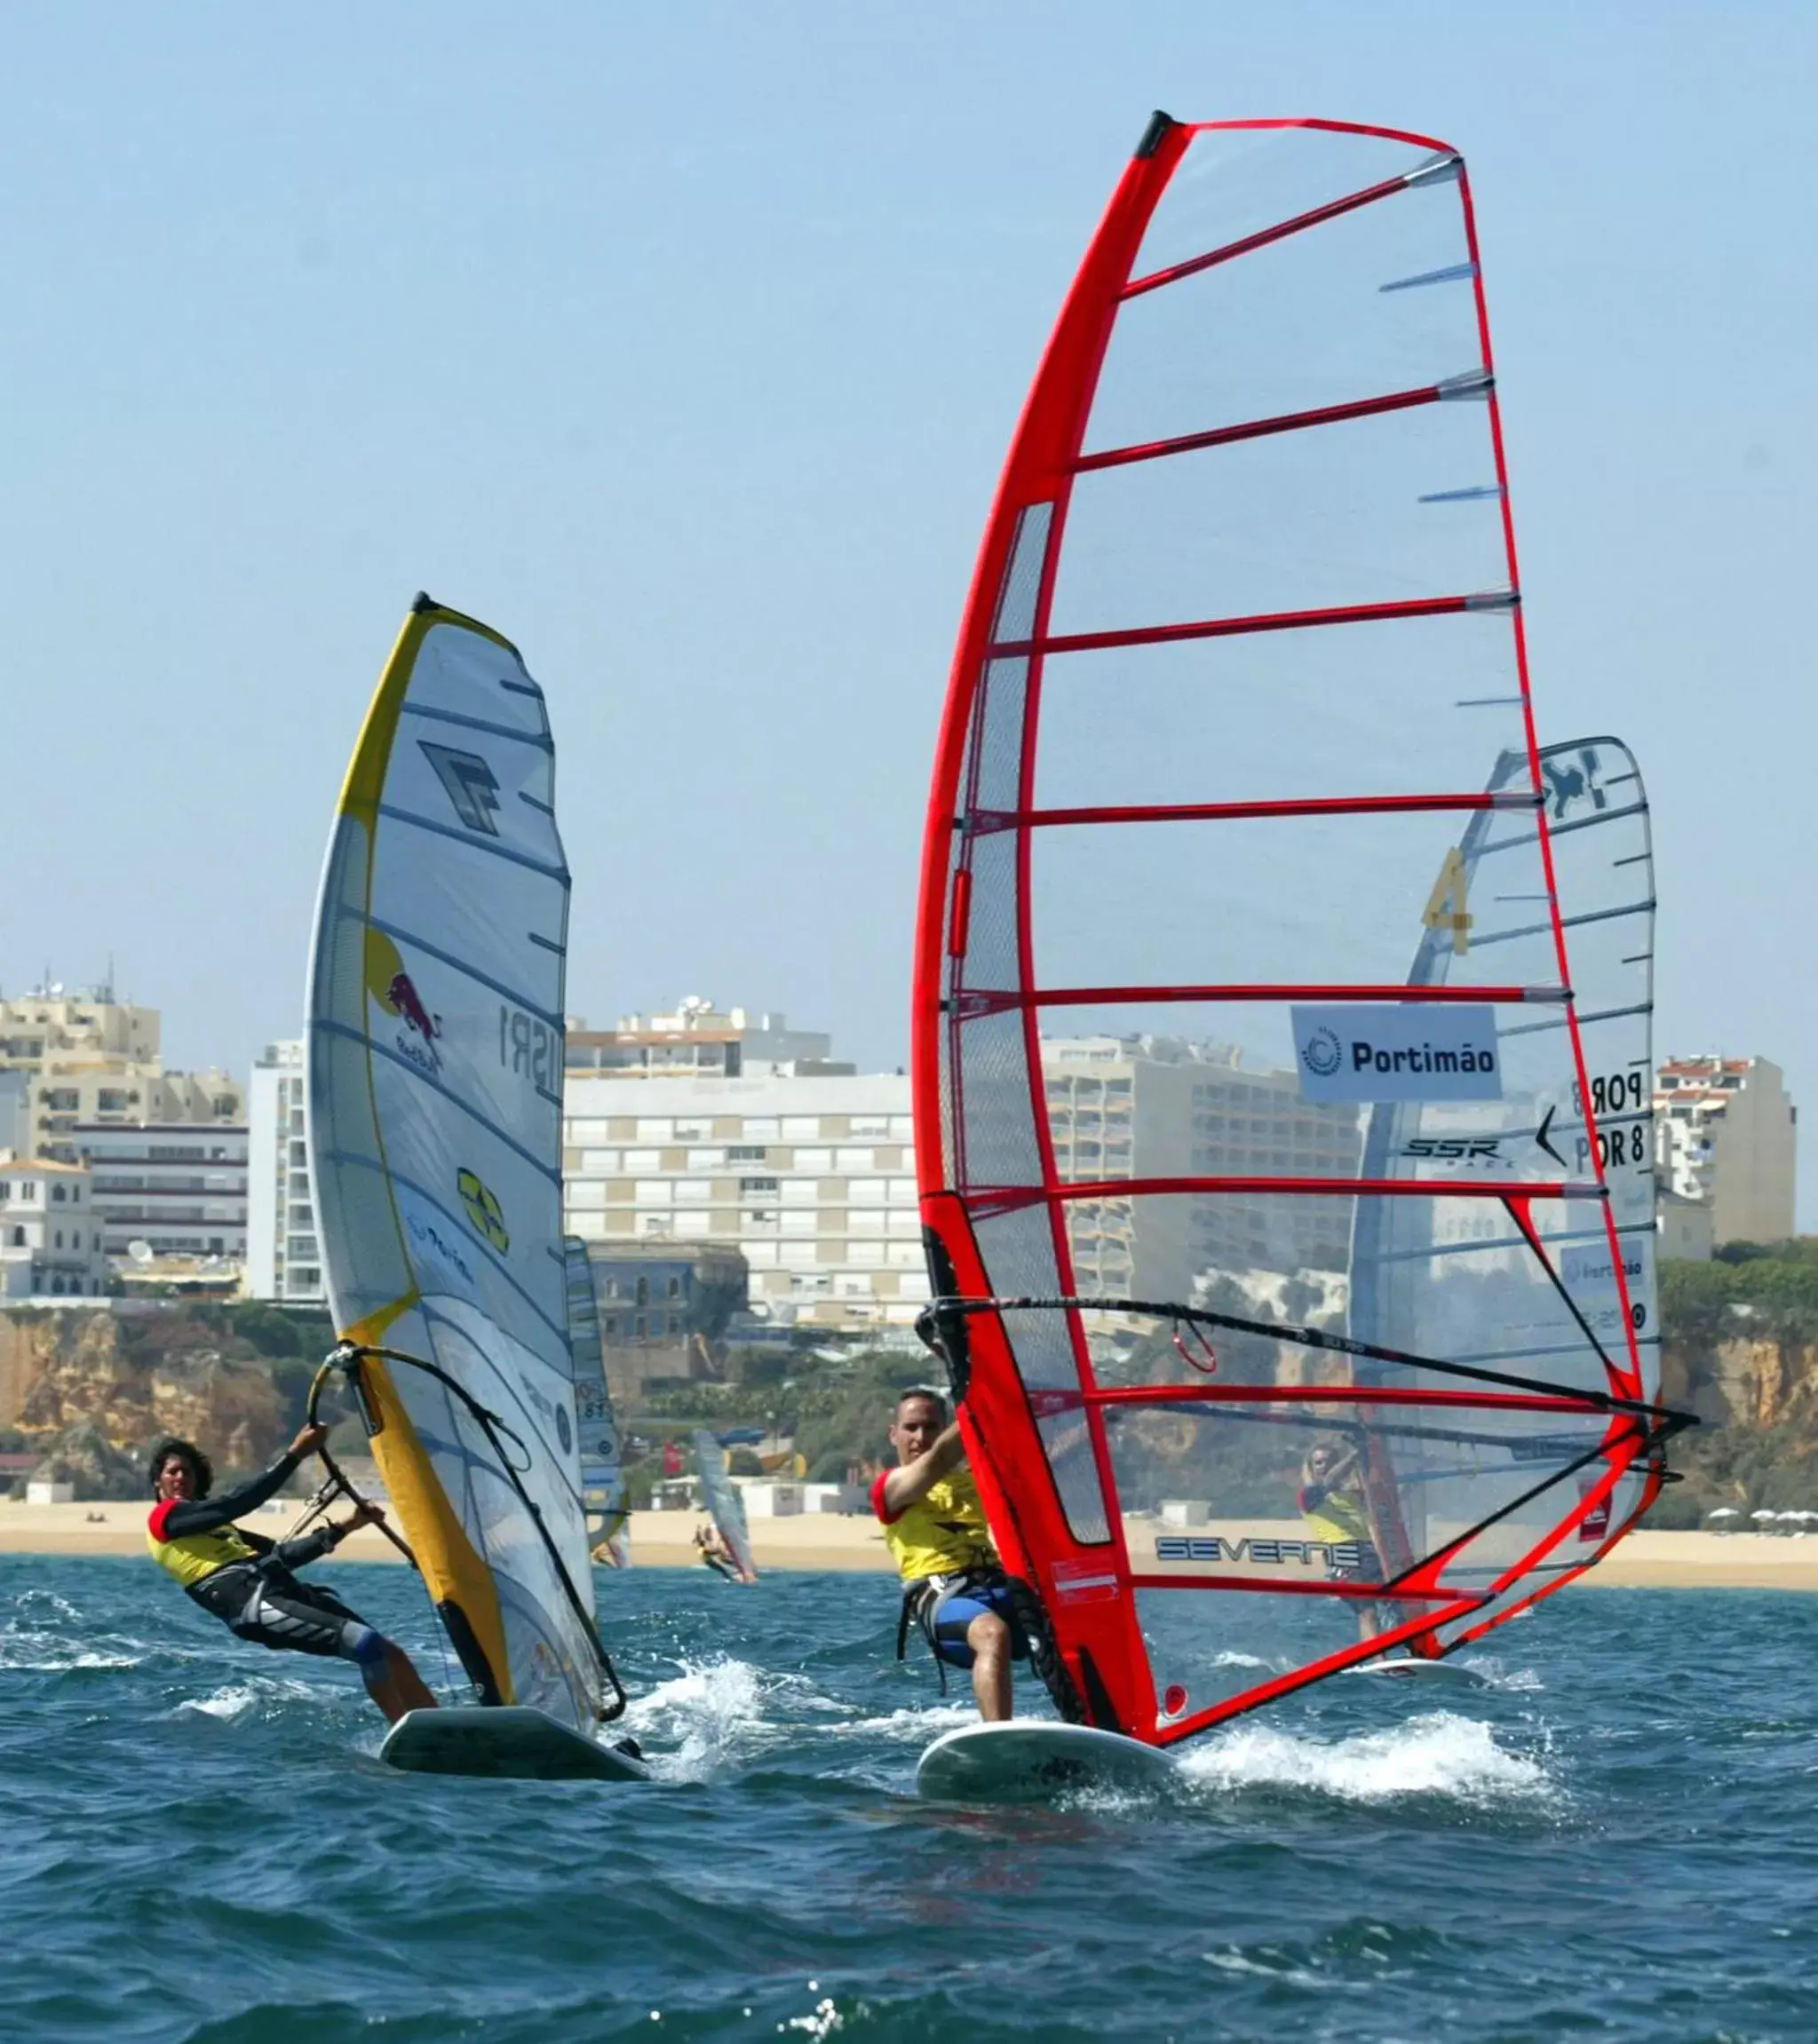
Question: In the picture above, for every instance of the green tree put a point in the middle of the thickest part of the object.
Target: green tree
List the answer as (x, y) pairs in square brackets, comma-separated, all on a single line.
[(270, 1332), (1694, 1303)]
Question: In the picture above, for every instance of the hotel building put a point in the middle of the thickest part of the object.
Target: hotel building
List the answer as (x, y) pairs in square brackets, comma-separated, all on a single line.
[(1724, 1135)]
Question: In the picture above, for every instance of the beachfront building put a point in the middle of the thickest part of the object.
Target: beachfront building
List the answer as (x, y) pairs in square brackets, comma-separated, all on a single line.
[(807, 1171), (176, 1187), (1162, 1107), (283, 1245), (1683, 1225), (70, 1061), (698, 1041), (663, 1306), (49, 1235), (1725, 1133)]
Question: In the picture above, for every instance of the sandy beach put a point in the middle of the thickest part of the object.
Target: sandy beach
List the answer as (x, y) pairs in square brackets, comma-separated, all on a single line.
[(659, 1540), (828, 1540)]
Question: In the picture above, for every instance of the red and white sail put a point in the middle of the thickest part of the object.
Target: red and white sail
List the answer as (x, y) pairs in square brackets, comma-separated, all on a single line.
[(1244, 642)]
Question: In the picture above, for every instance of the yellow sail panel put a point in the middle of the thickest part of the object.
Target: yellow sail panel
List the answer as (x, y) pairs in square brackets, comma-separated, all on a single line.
[(435, 1064)]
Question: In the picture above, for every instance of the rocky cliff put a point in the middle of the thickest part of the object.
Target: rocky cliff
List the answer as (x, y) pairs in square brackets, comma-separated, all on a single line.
[(79, 1382)]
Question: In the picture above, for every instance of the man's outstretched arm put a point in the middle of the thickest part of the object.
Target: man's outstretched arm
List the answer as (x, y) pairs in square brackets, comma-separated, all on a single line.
[(910, 1484)]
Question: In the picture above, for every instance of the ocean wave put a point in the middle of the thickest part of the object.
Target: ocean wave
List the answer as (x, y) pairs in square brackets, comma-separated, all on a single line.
[(1442, 1754), (263, 1693)]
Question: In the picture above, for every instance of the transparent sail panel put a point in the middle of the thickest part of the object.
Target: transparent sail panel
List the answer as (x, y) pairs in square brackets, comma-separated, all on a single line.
[(1246, 179)]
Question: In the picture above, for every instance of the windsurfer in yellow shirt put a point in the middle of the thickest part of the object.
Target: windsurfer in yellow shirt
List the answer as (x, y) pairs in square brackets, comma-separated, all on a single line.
[(953, 1584), (1332, 1501), (245, 1579)]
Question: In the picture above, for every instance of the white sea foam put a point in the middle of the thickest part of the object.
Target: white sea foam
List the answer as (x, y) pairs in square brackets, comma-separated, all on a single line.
[(231, 1702), (1441, 1754), (46, 1635), (41, 1653), (46, 1604), (1491, 1671), (1232, 1961), (710, 1713), (235, 1700), (914, 1727)]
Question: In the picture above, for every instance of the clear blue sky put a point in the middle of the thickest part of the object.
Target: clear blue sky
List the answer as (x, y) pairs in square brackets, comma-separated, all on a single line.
[(683, 343)]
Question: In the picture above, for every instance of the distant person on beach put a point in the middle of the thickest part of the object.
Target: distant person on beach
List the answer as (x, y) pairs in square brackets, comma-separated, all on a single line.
[(245, 1579), (954, 1585)]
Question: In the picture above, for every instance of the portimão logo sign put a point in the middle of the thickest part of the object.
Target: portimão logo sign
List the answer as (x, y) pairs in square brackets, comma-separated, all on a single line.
[(1399, 1050)]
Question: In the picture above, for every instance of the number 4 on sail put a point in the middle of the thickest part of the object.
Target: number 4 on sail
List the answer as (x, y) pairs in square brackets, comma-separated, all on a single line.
[(1445, 906)]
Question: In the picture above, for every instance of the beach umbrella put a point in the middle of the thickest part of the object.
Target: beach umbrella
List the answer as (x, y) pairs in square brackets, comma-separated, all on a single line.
[(1758, 1515), (1723, 1512)]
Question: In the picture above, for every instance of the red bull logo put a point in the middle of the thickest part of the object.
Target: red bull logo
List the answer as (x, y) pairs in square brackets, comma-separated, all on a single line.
[(402, 1000)]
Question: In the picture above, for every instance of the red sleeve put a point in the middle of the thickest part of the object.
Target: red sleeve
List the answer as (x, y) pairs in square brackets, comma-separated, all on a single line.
[(160, 1513), (888, 1516)]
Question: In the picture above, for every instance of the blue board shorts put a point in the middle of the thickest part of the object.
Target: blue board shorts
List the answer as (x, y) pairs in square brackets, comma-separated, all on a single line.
[(956, 1612)]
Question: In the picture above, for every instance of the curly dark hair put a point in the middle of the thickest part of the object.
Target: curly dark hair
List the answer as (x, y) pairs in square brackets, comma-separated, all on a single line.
[(202, 1467)]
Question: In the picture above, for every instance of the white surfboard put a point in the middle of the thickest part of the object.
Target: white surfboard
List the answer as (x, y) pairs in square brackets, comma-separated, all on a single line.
[(1411, 1667), (508, 1741), (1030, 1760)]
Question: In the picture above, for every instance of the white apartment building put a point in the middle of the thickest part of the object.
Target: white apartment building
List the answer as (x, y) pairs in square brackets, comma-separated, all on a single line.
[(1162, 1107), (283, 1249), (175, 1186), (67, 1060), (697, 1040), (1725, 1135), (809, 1174), (49, 1235)]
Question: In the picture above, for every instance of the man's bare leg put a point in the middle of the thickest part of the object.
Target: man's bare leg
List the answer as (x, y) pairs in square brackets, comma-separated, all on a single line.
[(394, 1684), (988, 1637)]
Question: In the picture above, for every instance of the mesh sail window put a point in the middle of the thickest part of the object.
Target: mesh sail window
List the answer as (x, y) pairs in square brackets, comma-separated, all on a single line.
[(1238, 723)]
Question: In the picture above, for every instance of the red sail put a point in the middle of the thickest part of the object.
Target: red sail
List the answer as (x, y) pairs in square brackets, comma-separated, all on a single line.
[(1244, 644)]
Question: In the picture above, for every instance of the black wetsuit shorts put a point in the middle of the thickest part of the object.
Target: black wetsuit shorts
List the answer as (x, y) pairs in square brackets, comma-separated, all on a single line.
[(271, 1606)]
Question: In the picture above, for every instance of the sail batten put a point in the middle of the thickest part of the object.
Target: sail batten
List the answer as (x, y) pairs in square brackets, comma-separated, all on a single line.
[(434, 1135)]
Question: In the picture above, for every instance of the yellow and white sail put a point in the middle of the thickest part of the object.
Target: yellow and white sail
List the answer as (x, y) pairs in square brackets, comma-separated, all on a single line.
[(435, 1074)]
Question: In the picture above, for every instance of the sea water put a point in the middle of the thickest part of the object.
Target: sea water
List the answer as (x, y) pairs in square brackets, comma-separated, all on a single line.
[(1613, 1833)]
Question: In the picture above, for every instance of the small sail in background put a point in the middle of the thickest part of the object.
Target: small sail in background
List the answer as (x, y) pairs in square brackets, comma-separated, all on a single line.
[(724, 1506), (602, 1451)]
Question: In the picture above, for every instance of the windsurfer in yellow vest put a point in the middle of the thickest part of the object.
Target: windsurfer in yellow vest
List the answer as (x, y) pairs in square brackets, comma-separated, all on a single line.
[(1332, 1501), (245, 1580), (953, 1584)]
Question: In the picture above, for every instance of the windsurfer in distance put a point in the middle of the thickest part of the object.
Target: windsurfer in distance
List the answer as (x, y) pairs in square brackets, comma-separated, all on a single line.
[(1332, 1501), (716, 1554), (954, 1585), (245, 1579)]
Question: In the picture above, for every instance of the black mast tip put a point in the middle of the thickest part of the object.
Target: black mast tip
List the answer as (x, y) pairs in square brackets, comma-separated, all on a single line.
[(1159, 125), (422, 600)]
